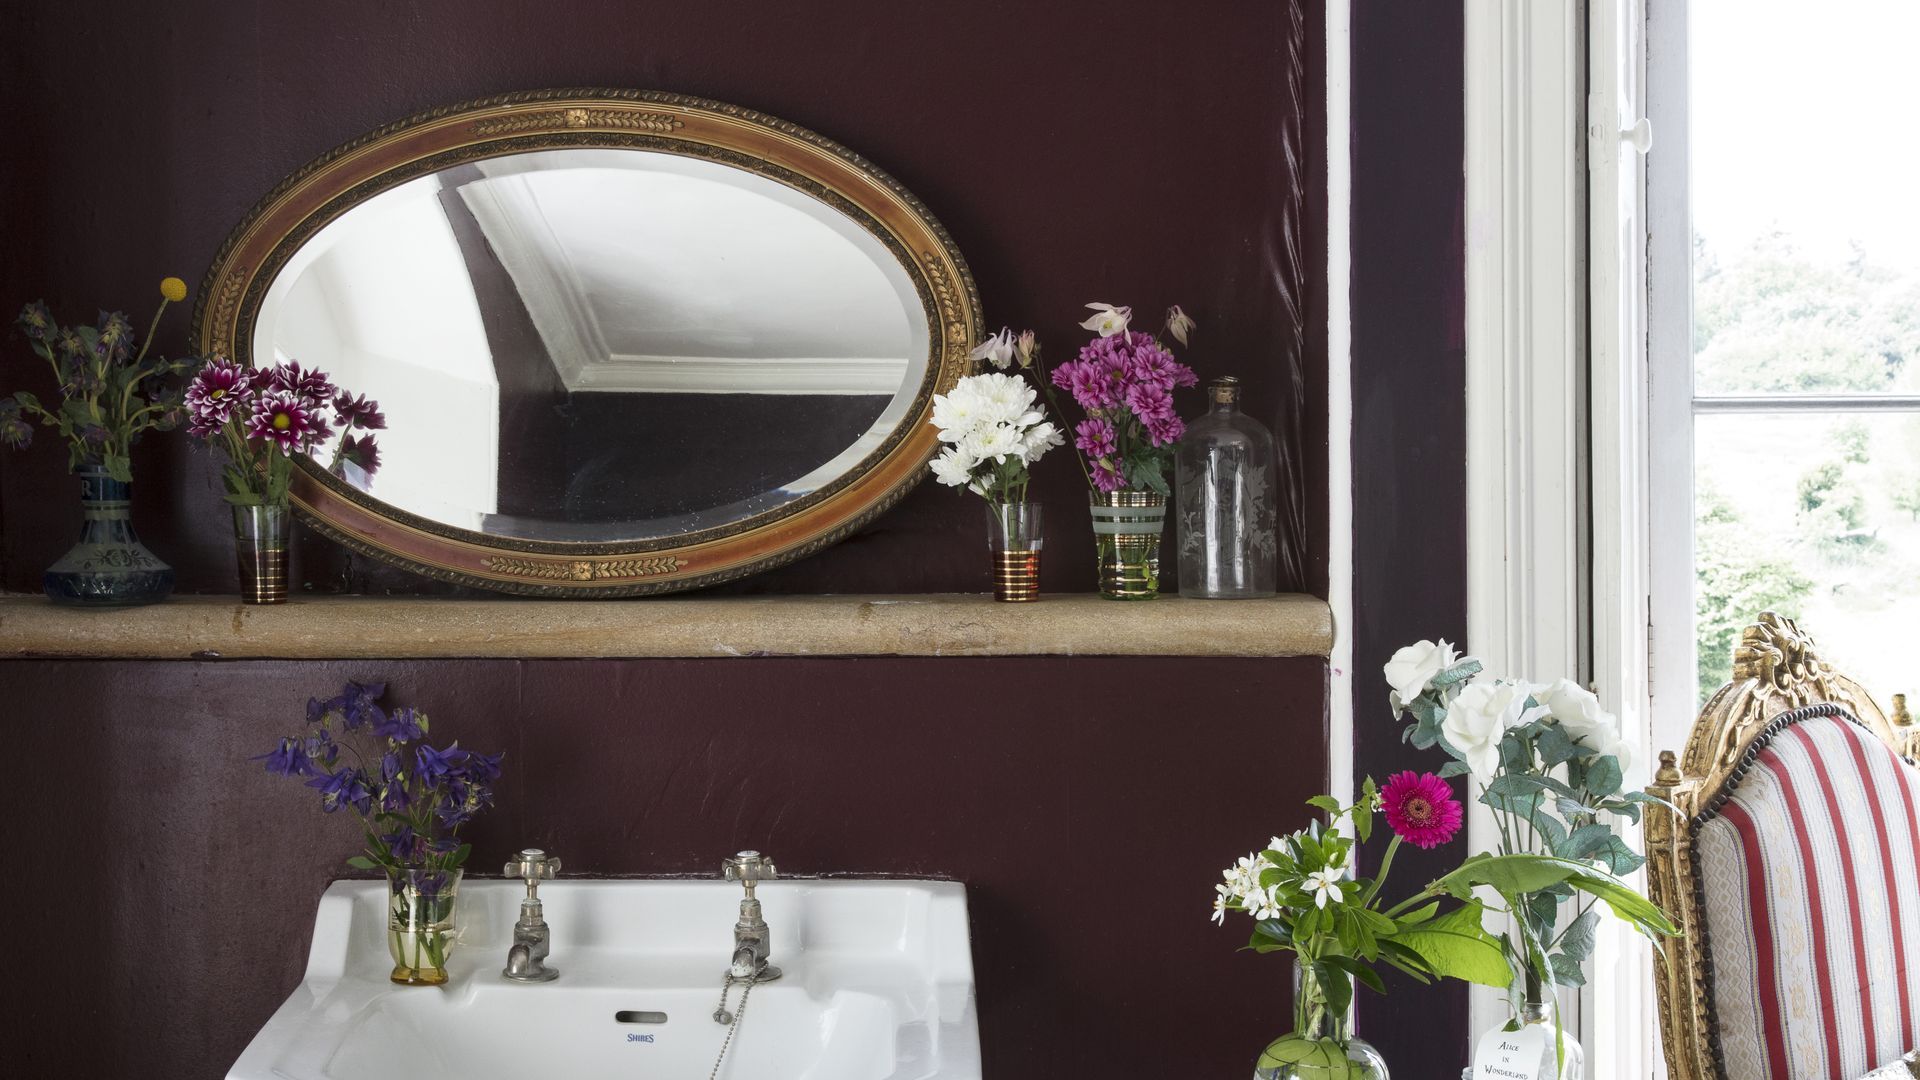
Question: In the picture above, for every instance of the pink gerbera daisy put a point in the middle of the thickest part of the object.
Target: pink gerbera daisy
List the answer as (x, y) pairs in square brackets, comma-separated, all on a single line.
[(1421, 809)]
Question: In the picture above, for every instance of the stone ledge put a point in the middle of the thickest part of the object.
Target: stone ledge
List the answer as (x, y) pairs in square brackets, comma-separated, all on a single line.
[(378, 627)]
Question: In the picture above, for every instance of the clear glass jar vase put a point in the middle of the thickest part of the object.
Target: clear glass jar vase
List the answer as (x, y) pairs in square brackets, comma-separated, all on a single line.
[(109, 567), (1533, 1014), (1225, 472), (421, 925), (1015, 535), (1321, 1045), (1126, 535), (260, 545)]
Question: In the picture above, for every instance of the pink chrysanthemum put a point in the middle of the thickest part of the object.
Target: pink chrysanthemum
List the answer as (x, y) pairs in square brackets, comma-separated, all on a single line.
[(1421, 809), (286, 419), (1094, 437)]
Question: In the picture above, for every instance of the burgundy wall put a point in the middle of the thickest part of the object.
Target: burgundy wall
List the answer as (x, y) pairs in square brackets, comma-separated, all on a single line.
[(1409, 427), (164, 886), (1114, 153)]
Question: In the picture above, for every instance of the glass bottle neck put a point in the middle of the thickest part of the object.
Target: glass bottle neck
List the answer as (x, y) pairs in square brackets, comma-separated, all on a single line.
[(1312, 1017)]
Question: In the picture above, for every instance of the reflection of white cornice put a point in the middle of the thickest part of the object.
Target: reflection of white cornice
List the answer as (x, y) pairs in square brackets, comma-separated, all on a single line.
[(509, 214), (742, 375)]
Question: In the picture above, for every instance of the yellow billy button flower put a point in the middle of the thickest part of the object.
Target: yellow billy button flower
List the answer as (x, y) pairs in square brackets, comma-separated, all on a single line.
[(173, 289)]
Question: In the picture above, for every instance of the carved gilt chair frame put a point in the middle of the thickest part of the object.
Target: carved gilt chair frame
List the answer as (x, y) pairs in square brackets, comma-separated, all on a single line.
[(1776, 669)]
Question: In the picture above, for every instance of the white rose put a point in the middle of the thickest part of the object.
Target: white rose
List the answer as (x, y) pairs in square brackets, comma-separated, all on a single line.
[(1413, 667), (1576, 709), (1478, 719)]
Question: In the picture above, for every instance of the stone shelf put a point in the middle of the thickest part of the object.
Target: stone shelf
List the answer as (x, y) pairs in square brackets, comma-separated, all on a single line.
[(378, 627)]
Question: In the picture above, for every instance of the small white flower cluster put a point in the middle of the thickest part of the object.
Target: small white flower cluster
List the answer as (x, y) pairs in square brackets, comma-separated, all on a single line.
[(987, 422), (1240, 889)]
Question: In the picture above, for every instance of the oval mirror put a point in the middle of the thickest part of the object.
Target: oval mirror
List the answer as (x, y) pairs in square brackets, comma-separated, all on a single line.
[(625, 342)]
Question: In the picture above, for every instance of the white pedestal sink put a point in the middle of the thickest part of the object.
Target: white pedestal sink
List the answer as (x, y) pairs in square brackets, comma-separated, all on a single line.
[(878, 986)]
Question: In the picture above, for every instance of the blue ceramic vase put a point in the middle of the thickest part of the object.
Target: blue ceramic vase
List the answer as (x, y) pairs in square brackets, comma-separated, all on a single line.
[(109, 567)]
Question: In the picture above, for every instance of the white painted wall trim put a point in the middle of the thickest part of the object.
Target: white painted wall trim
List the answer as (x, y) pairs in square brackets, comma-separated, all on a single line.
[(1525, 353), (1340, 756)]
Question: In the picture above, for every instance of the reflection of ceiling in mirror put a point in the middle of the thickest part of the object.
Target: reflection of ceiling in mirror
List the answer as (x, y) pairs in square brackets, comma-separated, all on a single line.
[(654, 272)]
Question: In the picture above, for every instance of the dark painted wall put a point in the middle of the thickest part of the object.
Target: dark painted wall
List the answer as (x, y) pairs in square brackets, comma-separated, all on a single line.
[(1114, 152), (1409, 426), (165, 885)]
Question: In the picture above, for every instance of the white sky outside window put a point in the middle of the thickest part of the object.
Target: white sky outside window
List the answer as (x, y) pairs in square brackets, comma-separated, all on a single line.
[(1806, 281)]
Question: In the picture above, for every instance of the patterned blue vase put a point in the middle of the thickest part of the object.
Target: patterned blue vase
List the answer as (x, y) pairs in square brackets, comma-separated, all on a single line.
[(109, 567)]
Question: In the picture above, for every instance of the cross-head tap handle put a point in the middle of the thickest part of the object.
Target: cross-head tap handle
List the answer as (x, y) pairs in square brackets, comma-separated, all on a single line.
[(533, 866), (749, 868)]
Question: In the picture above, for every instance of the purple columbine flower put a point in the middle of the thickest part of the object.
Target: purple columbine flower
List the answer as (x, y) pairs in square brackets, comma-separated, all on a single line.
[(481, 767), (433, 764), (347, 787), (402, 725), (288, 759), (36, 321), (403, 843)]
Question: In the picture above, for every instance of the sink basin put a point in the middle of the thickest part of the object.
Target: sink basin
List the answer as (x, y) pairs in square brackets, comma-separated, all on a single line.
[(878, 986)]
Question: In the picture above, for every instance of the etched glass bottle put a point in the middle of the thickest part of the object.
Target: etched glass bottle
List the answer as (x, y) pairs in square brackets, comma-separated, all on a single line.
[(1225, 473)]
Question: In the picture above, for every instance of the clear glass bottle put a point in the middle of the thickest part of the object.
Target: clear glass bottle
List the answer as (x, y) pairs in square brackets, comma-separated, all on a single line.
[(1225, 471)]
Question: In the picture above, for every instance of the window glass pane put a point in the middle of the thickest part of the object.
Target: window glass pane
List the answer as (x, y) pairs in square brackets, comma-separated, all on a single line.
[(1806, 246), (1816, 516)]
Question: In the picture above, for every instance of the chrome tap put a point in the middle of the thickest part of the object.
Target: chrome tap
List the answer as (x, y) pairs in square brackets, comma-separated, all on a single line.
[(527, 960), (752, 939)]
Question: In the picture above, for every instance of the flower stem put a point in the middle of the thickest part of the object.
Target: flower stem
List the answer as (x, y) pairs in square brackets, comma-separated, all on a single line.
[(1380, 878)]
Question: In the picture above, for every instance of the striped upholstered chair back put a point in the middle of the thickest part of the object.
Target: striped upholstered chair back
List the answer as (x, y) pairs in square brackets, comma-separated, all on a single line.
[(1793, 868)]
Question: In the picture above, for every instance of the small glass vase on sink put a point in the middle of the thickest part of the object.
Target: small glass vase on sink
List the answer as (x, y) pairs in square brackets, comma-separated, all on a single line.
[(421, 929)]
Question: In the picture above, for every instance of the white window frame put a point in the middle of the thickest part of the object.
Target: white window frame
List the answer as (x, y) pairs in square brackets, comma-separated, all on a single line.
[(1557, 402)]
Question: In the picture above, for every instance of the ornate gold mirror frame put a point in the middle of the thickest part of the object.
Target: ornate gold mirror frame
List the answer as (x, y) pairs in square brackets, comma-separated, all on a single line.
[(231, 296), (1776, 670)]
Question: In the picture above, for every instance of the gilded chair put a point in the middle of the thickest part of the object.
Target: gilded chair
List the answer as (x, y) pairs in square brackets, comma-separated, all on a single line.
[(1793, 870)]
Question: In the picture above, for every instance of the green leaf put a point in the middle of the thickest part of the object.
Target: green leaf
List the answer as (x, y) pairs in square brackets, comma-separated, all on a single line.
[(1452, 769), (1325, 802), (1585, 841), (1566, 970), (1577, 941), (1557, 748), (1456, 946), (1310, 1057), (1603, 776), (1465, 669), (1360, 971), (361, 862), (1417, 915)]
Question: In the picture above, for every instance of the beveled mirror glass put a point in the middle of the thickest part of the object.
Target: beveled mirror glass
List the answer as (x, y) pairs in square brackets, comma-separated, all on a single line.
[(625, 342)]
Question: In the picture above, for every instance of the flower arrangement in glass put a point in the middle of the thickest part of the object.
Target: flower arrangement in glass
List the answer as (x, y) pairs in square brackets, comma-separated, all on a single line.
[(994, 430), (410, 800), (110, 395), (1304, 898), (1550, 764), (1124, 381), (261, 418)]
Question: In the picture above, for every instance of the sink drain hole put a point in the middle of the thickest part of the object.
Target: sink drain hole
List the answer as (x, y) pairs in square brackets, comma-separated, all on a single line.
[(635, 1016)]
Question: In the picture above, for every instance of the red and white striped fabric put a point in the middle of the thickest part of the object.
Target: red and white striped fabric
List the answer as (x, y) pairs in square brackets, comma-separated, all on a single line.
[(1810, 877)]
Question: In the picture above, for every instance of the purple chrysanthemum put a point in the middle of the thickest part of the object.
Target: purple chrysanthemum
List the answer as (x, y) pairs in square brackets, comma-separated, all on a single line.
[(1094, 437), (311, 386), (361, 451), (221, 391), (287, 419), (358, 412)]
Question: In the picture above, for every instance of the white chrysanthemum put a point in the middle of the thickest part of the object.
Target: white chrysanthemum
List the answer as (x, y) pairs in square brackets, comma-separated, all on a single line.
[(954, 467), (1039, 439), (991, 443)]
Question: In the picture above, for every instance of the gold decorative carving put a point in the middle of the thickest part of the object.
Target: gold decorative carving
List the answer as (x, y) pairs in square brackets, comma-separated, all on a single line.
[(580, 117), (225, 301), (1776, 669), (582, 569), (948, 299)]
